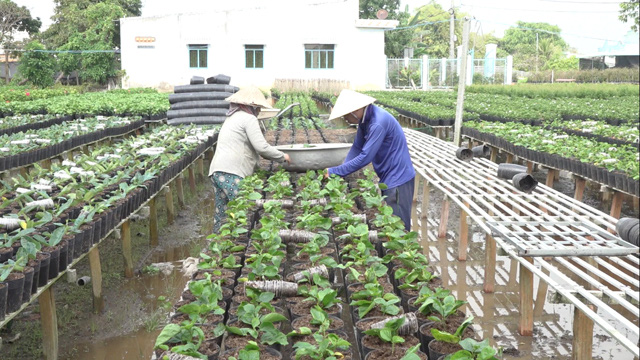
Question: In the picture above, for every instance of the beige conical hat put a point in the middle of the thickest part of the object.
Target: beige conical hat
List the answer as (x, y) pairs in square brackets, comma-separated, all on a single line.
[(349, 101), (249, 95)]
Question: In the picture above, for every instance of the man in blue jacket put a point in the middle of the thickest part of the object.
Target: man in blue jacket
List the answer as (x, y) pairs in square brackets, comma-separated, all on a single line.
[(381, 141)]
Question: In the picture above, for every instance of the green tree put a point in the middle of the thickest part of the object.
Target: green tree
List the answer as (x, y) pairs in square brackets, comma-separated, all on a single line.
[(37, 66), (520, 41), (395, 41), (478, 43), (369, 8), (69, 18), (14, 18), (629, 11), (563, 63), (91, 26), (433, 38)]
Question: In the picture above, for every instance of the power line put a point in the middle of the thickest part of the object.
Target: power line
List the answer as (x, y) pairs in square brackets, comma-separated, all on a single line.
[(583, 2), (541, 10), (420, 24), (516, 27)]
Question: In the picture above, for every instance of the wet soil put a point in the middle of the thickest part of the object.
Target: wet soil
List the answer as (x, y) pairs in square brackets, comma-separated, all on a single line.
[(133, 315)]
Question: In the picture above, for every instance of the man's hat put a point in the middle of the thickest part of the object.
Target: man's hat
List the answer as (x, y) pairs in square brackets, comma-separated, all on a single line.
[(349, 101)]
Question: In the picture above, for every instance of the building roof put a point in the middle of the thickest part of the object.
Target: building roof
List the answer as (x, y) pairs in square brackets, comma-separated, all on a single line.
[(629, 46)]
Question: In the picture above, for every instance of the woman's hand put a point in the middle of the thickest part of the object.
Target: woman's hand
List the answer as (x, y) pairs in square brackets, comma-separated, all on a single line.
[(287, 158)]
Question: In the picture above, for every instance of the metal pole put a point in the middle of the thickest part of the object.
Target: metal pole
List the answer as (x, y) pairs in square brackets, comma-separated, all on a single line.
[(452, 31), (536, 52), (462, 81)]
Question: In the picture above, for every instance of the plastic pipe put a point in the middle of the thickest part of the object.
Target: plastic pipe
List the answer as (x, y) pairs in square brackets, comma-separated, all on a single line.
[(481, 151), (524, 182), (84, 281), (627, 229), (508, 171), (464, 154)]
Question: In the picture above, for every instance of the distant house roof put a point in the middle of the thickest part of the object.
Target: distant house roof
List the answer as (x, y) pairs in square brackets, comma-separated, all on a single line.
[(629, 46)]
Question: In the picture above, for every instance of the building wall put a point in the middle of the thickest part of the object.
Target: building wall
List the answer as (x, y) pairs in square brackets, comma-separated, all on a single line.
[(282, 26)]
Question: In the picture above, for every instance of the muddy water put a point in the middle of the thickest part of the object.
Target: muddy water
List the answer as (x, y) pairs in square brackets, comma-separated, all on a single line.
[(139, 343), (134, 316), (496, 315)]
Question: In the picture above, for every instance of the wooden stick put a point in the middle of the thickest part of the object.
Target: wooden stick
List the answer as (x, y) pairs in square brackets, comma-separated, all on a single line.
[(616, 204), (444, 219), (551, 176), (580, 185), (168, 198), (494, 154), (509, 158), (46, 164), (463, 244), (49, 322), (180, 191), (153, 222), (126, 249), (490, 265), (200, 165), (530, 167), (541, 296), (192, 180), (96, 280), (526, 300), (424, 210), (582, 346), (414, 204)]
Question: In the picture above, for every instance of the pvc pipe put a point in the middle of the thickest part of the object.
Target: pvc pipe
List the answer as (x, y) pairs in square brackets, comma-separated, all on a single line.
[(524, 182), (481, 151), (84, 281), (44, 203), (464, 154), (10, 223), (508, 170)]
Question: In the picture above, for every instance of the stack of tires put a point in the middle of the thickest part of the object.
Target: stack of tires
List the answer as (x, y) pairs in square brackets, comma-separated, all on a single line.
[(199, 103)]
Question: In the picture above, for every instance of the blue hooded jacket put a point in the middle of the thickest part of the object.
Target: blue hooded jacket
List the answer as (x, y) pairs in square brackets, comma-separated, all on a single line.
[(381, 141)]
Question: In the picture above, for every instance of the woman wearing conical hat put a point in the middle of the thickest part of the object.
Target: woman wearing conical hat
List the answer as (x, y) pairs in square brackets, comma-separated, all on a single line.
[(381, 141), (240, 145)]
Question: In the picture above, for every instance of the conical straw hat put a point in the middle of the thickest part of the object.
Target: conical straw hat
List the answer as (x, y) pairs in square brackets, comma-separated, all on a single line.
[(251, 96), (349, 101)]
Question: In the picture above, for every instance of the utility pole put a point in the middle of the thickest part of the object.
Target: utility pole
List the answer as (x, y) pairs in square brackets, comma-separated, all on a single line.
[(452, 26), (462, 81)]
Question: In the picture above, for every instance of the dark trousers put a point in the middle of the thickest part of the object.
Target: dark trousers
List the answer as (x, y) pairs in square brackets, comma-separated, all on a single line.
[(400, 199)]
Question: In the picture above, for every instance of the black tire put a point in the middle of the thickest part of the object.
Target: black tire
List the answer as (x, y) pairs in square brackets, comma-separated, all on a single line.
[(198, 120), (198, 96), (201, 104), (172, 114), (196, 80), (204, 88), (219, 79)]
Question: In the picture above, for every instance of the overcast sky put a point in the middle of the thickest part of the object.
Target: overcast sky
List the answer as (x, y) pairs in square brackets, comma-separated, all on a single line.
[(585, 24)]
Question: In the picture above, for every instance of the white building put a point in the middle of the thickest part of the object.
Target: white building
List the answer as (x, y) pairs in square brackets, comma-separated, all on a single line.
[(256, 42)]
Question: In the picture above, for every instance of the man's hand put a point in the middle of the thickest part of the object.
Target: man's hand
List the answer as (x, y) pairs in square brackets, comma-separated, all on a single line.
[(326, 173), (287, 158)]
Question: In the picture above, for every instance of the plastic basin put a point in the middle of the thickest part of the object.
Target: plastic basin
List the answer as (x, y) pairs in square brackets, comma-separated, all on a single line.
[(314, 156)]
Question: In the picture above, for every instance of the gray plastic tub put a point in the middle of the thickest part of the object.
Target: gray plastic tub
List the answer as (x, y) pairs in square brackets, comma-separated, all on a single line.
[(314, 156)]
